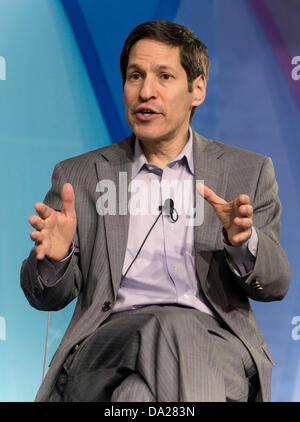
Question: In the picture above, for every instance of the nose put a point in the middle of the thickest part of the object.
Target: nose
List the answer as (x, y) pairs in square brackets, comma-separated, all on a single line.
[(147, 89)]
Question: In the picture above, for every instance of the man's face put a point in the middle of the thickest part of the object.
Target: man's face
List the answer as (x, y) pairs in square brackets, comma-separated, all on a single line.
[(158, 103)]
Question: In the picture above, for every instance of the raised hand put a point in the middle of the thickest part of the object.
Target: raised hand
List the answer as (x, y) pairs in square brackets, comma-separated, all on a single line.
[(54, 230), (236, 216)]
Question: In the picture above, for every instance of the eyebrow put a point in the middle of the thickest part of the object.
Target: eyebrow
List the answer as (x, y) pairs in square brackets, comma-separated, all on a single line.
[(158, 67)]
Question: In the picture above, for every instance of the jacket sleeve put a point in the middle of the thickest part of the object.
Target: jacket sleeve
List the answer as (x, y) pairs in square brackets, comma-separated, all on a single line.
[(68, 286), (271, 274)]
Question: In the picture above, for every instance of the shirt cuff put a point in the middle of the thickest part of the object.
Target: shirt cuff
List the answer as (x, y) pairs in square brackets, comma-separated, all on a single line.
[(50, 271), (242, 257)]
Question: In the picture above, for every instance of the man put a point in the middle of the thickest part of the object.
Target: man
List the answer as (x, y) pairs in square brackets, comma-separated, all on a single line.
[(162, 312)]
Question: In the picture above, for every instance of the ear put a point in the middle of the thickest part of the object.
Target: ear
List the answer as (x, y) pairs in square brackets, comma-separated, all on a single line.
[(199, 90)]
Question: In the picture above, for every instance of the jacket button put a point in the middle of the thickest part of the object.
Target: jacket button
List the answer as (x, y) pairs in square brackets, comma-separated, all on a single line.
[(36, 292), (256, 284), (75, 348), (106, 306)]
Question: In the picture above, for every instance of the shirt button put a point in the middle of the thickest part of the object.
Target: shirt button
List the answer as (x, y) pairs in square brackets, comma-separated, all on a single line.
[(186, 296), (172, 228), (175, 268)]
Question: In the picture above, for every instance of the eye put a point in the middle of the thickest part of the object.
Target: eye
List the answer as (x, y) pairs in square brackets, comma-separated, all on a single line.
[(166, 76), (134, 76)]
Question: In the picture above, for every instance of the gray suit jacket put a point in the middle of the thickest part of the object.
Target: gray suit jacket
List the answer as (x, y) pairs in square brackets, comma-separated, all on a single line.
[(94, 272)]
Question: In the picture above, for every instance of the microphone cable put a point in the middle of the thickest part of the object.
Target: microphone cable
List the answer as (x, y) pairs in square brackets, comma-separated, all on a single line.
[(169, 208)]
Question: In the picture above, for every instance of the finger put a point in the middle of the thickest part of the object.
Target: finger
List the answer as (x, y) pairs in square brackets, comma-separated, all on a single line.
[(242, 200), (42, 248), (40, 252), (43, 210), (245, 210), (36, 222), (243, 223), (209, 195), (240, 238), (68, 199), (36, 236)]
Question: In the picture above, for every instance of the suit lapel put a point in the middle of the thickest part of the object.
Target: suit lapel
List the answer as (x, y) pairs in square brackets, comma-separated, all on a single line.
[(210, 168), (117, 168)]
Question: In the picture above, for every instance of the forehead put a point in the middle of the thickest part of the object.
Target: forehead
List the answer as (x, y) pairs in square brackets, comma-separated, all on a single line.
[(148, 51)]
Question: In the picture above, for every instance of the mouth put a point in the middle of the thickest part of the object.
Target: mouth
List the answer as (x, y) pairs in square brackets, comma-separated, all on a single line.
[(146, 114)]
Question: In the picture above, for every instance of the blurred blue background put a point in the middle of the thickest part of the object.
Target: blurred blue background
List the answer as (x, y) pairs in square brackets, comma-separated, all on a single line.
[(62, 96)]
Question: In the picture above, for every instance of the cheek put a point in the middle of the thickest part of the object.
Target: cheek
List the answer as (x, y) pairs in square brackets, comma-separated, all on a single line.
[(179, 105), (125, 99), (127, 96), (181, 98), (128, 106)]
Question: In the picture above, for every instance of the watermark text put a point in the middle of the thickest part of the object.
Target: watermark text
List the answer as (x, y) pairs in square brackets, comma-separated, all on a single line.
[(295, 334), (295, 74), (2, 69), (146, 198), (2, 328)]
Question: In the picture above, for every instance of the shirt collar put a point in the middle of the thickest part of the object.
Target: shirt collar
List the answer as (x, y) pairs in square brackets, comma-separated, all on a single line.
[(139, 159)]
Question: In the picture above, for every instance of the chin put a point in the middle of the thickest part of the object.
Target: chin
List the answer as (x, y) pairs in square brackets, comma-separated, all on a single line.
[(149, 134)]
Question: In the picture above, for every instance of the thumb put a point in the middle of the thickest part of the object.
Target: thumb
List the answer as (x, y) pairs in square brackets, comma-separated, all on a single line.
[(209, 195), (68, 199)]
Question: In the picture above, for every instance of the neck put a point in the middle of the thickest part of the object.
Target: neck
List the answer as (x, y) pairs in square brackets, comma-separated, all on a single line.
[(161, 152)]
